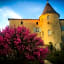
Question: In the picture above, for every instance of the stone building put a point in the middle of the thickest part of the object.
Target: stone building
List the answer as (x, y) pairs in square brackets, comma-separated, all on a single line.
[(49, 27)]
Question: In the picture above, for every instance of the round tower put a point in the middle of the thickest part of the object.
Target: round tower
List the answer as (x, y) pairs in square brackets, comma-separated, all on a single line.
[(50, 26)]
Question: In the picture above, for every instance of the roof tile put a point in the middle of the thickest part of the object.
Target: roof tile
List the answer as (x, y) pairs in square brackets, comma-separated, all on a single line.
[(49, 9)]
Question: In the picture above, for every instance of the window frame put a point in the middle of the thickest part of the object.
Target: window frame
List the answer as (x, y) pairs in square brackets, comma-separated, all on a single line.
[(36, 29), (49, 32)]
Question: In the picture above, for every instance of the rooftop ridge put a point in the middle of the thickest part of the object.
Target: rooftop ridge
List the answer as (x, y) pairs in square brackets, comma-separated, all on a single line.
[(61, 19), (21, 19)]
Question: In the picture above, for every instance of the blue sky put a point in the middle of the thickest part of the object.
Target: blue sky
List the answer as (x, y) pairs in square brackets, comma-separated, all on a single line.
[(26, 9)]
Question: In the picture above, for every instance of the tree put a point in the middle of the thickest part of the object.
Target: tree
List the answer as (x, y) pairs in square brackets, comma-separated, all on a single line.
[(19, 45), (56, 57)]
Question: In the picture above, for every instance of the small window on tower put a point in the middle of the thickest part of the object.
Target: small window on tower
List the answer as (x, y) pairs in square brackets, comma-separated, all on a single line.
[(48, 22), (49, 32), (37, 23), (48, 17), (56, 22), (42, 34), (21, 22)]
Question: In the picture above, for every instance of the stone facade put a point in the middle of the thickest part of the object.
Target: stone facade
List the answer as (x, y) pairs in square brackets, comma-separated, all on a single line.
[(48, 26)]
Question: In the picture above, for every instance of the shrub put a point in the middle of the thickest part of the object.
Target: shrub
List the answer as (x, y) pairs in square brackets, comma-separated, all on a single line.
[(55, 56), (19, 45)]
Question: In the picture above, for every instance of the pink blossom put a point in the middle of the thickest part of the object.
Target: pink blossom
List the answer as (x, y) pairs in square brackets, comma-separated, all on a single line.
[(16, 42), (7, 35), (1, 38), (36, 53), (29, 57), (18, 35), (41, 62), (28, 48), (14, 39), (21, 40), (12, 31)]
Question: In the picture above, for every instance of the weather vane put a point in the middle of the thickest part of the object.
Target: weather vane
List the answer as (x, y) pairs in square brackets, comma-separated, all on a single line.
[(47, 1)]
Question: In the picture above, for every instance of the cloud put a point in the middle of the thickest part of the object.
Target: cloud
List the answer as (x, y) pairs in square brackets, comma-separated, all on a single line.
[(6, 13)]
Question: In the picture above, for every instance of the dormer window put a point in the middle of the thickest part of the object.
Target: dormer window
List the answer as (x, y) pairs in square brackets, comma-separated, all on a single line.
[(21, 22)]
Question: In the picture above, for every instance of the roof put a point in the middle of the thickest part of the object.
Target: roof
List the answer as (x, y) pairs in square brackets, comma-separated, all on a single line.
[(48, 9), (21, 19), (24, 20), (61, 19)]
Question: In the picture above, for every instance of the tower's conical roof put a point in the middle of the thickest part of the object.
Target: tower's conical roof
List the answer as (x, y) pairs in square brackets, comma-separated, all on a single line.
[(49, 9)]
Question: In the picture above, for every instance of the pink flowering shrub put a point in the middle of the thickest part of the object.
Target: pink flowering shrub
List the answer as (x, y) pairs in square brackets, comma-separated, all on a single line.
[(19, 42)]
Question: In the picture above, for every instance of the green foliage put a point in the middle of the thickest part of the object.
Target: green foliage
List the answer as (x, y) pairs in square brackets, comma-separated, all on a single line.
[(55, 56)]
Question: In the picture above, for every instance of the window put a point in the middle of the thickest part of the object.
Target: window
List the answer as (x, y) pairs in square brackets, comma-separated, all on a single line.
[(62, 28), (48, 17), (37, 23), (21, 22), (62, 38), (48, 22), (36, 29), (42, 33), (49, 32), (56, 22)]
